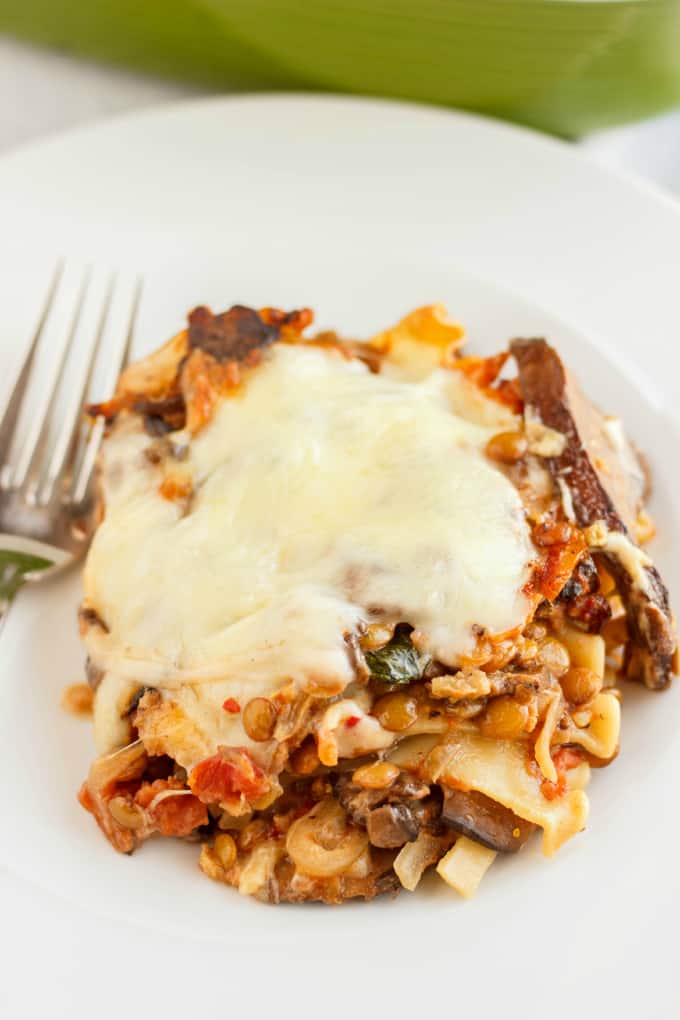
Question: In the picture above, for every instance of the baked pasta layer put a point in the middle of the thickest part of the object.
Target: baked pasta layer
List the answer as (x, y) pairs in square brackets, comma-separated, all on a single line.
[(354, 609)]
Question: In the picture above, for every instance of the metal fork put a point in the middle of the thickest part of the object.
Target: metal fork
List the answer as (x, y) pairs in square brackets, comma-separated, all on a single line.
[(47, 451)]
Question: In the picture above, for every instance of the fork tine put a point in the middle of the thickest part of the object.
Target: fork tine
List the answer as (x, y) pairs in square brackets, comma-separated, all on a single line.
[(19, 385), (83, 472), (69, 425), (38, 429)]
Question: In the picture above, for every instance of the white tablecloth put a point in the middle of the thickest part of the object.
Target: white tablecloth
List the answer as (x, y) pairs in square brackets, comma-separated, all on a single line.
[(41, 953)]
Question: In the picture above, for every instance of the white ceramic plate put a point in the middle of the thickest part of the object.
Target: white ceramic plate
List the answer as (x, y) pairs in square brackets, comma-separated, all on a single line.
[(362, 210)]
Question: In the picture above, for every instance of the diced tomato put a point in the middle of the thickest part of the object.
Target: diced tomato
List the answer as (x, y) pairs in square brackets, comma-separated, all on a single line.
[(552, 575), (507, 392), (121, 839), (179, 816), (231, 705), (147, 791), (85, 798), (352, 720), (175, 489), (481, 371), (172, 815), (552, 790), (228, 774), (289, 324), (565, 758), (484, 372)]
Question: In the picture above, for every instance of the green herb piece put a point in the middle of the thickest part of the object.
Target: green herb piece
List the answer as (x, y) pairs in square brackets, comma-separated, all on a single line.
[(14, 566), (397, 662)]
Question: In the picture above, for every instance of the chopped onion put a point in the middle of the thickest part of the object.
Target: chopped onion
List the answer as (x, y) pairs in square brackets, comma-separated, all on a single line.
[(465, 865), (322, 844), (414, 858)]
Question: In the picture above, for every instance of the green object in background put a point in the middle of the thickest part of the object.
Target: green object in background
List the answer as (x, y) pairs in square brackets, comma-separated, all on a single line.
[(567, 66)]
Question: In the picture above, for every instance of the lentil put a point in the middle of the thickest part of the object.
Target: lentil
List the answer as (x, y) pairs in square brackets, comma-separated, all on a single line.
[(127, 814), (506, 447), (377, 635), (580, 685), (395, 711), (376, 776), (504, 719), (259, 719), (225, 849)]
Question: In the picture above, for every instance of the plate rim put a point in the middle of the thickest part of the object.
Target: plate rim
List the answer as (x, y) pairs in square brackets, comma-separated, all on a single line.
[(152, 111)]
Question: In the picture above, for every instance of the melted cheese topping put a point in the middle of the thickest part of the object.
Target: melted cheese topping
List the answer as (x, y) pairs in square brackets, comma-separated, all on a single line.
[(324, 496)]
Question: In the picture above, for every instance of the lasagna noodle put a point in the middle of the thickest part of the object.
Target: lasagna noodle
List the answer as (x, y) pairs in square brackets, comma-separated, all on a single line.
[(504, 771), (501, 769)]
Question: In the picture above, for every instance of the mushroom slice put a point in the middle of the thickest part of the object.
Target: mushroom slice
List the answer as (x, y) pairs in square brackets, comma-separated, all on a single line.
[(485, 820), (605, 481), (392, 825)]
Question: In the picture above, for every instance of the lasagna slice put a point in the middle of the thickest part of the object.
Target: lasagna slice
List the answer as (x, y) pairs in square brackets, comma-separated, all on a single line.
[(356, 609)]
